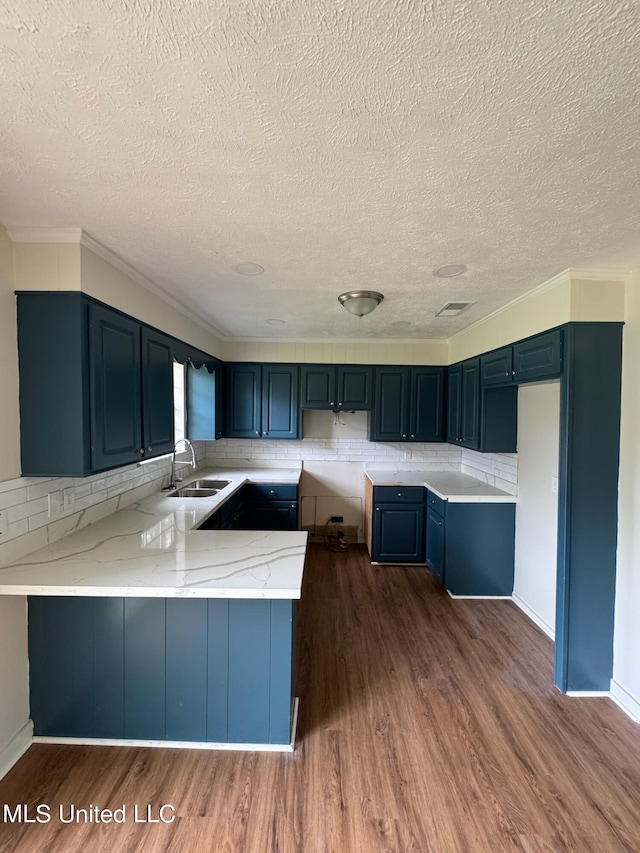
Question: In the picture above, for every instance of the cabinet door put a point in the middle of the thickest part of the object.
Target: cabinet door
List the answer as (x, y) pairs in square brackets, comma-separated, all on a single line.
[(355, 387), (454, 403), (470, 410), (435, 543), (389, 417), (426, 418), (280, 402), (273, 515), (114, 362), (318, 386), (398, 533), (157, 393), (243, 400), (496, 367), (538, 358)]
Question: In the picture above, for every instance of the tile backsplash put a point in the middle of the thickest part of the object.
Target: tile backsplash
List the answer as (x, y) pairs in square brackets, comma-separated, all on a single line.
[(40, 510)]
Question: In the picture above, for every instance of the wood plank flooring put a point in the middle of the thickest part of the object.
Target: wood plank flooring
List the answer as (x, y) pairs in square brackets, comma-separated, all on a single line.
[(426, 724)]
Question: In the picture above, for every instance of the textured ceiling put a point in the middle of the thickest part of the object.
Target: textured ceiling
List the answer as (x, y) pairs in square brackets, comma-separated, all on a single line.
[(339, 145)]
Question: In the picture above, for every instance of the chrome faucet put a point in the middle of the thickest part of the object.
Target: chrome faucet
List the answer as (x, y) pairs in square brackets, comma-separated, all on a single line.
[(194, 462)]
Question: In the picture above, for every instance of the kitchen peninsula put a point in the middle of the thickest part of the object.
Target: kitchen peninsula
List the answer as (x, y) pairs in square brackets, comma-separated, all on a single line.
[(145, 629)]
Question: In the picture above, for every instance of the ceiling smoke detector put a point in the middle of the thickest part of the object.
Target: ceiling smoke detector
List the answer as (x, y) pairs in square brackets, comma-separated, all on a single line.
[(452, 309)]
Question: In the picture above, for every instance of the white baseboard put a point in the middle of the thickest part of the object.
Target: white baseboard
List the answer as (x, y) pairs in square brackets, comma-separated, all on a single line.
[(589, 694), (16, 748), (629, 704), (481, 597), (181, 744), (535, 617)]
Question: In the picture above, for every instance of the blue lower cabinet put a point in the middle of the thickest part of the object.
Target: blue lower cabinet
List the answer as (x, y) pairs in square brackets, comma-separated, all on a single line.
[(217, 670), (479, 548), (398, 525), (435, 543)]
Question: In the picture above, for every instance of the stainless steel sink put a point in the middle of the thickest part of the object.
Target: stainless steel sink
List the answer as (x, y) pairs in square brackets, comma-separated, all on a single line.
[(208, 484), (191, 492)]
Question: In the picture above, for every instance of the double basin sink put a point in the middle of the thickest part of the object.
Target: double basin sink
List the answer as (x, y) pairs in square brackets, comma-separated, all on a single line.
[(200, 489)]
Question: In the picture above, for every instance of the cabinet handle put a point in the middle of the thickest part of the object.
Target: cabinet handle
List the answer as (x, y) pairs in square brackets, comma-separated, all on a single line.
[(404, 435), (149, 449), (399, 494), (339, 404), (331, 403), (266, 432), (142, 451), (507, 373), (257, 432), (272, 492), (413, 435), (514, 372), (377, 509)]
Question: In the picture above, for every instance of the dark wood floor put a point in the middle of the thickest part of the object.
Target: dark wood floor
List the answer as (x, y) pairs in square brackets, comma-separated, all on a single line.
[(426, 724)]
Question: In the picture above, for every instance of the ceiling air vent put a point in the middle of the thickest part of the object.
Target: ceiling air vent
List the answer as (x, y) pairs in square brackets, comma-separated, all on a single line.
[(452, 309)]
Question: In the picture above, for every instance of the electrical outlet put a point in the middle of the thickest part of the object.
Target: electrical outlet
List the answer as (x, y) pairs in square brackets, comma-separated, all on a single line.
[(3, 525), (554, 485)]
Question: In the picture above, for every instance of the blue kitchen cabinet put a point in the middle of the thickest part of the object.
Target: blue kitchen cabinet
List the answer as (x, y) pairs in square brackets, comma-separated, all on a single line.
[(96, 386), (409, 404), (165, 669), (480, 418), (398, 524), (334, 387), (257, 506), (531, 360), (157, 393), (262, 401), (470, 547), (435, 543)]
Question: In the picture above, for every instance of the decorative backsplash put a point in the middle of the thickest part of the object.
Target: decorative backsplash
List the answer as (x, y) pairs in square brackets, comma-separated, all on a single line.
[(41, 510)]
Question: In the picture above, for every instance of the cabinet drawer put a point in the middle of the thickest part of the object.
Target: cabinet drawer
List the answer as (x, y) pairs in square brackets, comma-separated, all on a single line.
[(398, 494), (272, 491), (436, 503)]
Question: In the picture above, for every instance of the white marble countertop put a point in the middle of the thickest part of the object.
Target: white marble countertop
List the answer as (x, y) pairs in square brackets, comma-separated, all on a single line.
[(151, 549), (451, 486)]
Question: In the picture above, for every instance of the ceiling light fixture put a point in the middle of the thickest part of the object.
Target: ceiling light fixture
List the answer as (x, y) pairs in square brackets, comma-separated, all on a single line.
[(360, 302), (249, 268), (450, 270)]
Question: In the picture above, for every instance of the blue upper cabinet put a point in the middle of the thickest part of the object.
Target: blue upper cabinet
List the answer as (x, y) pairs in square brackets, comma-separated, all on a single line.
[(157, 393), (262, 401), (95, 386), (327, 386), (408, 404), (463, 404), (531, 360), (480, 418), (114, 357)]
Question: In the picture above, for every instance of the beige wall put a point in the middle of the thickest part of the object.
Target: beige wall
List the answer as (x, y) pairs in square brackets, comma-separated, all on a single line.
[(14, 668), (103, 281), (9, 419), (338, 352), (537, 508), (570, 296), (626, 662)]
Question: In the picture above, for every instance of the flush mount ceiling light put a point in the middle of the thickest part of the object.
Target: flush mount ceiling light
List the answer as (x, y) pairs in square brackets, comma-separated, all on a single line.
[(360, 302), (450, 270), (248, 268)]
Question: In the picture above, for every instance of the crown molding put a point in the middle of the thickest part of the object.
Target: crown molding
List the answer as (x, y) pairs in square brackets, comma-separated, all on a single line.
[(418, 342), (612, 274), (20, 234), (89, 242)]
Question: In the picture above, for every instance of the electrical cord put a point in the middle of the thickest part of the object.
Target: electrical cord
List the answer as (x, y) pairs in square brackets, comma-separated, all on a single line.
[(334, 542)]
